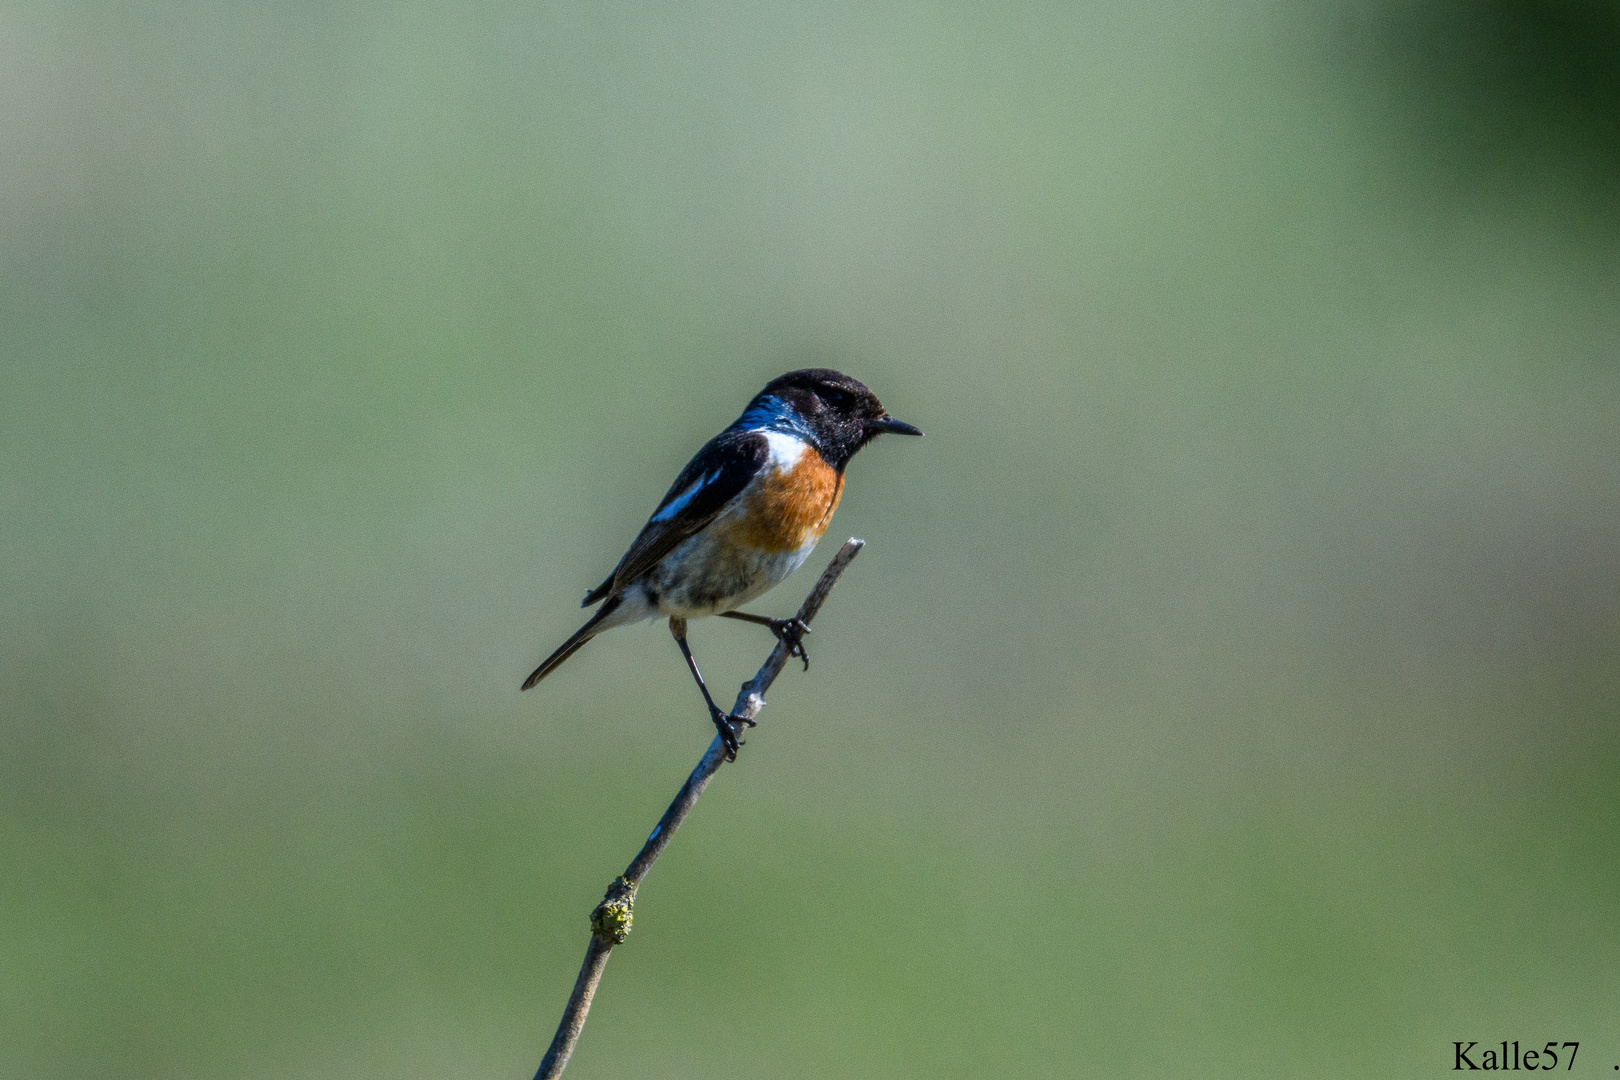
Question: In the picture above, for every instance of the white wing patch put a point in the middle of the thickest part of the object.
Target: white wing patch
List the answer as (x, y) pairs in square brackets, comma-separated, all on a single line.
[(678, 503)]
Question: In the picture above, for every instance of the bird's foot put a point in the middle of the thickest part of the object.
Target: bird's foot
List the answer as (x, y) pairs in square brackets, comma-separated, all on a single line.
[(728, 724), (790, 632)]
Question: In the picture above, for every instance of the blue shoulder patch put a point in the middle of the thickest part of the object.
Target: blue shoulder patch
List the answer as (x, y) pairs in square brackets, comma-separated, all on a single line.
[(771, 413)]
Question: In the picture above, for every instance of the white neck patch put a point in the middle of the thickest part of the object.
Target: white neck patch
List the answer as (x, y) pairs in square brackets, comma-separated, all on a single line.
[(786, 450)]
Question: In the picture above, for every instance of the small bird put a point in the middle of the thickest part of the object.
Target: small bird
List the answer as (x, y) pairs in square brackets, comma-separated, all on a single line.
[(744, 514)]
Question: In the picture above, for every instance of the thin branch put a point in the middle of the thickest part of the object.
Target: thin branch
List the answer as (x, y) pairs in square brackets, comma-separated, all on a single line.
[(610, 921)]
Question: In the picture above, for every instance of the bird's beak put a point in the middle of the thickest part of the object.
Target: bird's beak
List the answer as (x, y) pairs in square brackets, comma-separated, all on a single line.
[(890, 424)]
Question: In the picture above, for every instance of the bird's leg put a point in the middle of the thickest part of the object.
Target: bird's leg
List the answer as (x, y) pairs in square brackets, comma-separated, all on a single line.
[(726, 723), (789, 632)]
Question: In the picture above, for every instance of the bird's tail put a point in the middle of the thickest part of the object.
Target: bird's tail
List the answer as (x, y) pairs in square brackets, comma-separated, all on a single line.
[(573, 644)]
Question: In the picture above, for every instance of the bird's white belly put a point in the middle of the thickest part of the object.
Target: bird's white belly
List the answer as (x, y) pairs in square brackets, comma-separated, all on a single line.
[(708, 574)]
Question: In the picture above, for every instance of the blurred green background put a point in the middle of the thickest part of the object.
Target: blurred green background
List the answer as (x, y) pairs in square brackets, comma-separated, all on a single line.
[(1230, 687)]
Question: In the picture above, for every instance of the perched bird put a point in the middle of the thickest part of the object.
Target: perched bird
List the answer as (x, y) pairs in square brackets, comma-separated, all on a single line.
[(745, 513)]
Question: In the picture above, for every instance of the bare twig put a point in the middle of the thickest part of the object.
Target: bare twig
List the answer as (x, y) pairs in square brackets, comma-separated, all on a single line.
[(610, 921)]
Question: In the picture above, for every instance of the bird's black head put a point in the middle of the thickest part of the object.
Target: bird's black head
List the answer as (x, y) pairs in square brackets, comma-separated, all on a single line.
[(836, 413)]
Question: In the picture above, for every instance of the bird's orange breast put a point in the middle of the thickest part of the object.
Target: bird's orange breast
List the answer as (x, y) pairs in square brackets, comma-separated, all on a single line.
[(791, 507)]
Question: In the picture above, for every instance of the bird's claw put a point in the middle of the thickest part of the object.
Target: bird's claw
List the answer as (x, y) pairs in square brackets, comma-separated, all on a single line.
[(790, 632), (727, 724)]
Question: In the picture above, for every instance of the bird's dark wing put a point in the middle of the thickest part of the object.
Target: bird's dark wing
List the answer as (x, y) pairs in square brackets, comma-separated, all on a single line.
[(716, 475)]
